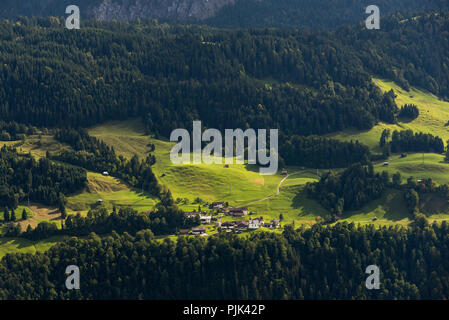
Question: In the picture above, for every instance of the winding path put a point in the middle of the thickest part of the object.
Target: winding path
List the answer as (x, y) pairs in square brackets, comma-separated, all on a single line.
[(278, 189)]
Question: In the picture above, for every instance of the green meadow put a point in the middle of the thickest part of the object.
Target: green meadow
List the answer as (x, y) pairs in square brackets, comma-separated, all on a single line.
[(292, 203), (12, 245), (389, 209), (433, 116), (419, 166), (238, 184), (112, 192), (18, 212), (241, 184)]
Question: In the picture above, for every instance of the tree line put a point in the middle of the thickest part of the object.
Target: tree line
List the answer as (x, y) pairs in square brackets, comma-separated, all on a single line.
[(409, 112), (170, 75), (319, 152), (24, 178), (11, 131), (93, 154), (409, 141), (161, 221), (354, 187), (320, 262)]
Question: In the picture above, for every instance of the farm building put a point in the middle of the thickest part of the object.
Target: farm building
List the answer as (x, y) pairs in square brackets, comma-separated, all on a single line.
[(184, 232), (228, 225), (243, 225), (205, 219), (275, 223), (192, 214), (256, 223), (218, 205), (238, 212), (198, 230)]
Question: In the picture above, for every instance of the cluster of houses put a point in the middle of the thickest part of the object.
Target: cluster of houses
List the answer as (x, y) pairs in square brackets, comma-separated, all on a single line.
[(231, 211), (234, 226), (237, 212), (195, 231), (203, 219), (251, 224), (228, 226)]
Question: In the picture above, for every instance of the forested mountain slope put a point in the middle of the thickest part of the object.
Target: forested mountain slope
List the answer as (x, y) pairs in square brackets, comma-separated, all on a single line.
[(315, 263), (313, 14), (416, 49), (303, 83)]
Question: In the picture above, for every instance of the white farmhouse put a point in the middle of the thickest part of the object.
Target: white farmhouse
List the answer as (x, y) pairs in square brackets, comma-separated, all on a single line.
[(205, 219), (255, 223)]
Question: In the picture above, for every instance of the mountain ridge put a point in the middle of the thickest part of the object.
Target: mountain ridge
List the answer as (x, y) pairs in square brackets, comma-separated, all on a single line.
[(312, 14)]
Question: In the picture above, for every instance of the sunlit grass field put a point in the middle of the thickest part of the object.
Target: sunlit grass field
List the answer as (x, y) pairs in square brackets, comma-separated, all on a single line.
[(433, 116), (112, 192), (237, 184), (419, 166), (13, 245), (242, 184)]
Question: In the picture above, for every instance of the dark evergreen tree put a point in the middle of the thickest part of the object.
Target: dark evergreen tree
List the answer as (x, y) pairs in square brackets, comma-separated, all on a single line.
[(24, 214)]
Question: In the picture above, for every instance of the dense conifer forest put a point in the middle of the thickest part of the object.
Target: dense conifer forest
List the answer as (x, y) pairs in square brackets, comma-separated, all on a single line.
[(311, 14), (310, 263), (24, 178), (305, 83), (171, 75), (163, 221), (308, 14), (354, 187), (318, 152), (93, 154)]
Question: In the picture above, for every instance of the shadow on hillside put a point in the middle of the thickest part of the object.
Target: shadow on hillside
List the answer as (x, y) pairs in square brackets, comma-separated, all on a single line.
[(251, 167), (406, 120), (307, 206), (19, 243), (434, 204), (391, 202)]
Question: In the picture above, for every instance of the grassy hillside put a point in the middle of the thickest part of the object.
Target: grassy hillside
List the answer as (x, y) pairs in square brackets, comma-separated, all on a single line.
[(433, 116), (389, 209), (292, 203), (237, 184), (112, 192), (211, 182), (433, 167), (242, 184), (37, 145), (10, 245)]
